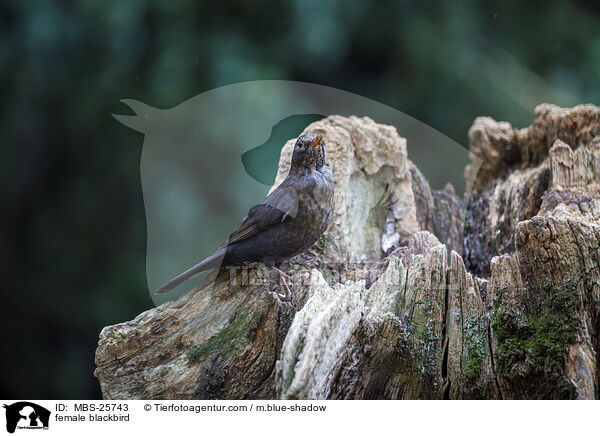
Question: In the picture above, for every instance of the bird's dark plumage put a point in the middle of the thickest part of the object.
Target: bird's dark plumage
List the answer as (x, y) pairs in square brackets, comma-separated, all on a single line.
[(289, 221)]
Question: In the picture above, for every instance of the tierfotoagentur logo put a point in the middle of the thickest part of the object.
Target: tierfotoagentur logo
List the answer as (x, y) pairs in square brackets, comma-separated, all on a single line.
[(26, 415)]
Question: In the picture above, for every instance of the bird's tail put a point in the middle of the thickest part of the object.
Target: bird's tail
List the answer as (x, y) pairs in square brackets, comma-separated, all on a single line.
[(210, 262)]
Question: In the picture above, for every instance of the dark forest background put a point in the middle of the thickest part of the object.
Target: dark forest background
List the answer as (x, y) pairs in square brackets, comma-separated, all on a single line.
[(72, 225)]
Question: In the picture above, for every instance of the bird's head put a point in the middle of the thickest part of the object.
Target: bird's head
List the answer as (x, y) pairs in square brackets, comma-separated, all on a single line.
[(309, 152)]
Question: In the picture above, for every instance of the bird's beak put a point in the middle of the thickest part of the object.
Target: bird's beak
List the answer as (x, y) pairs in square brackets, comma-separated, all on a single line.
[(317, 141)]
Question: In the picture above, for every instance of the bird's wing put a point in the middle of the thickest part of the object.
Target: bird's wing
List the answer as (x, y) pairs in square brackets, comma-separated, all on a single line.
[(280, 204)]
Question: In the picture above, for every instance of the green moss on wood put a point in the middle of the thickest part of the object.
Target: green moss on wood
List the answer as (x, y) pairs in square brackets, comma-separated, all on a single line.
[(475, 338), (230, 341), (532, 341)]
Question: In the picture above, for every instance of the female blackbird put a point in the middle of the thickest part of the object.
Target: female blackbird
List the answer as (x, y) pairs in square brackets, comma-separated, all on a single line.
[(287, 222)]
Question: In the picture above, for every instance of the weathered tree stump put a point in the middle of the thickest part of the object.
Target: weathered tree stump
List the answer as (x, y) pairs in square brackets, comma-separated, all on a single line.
[(496, 295)]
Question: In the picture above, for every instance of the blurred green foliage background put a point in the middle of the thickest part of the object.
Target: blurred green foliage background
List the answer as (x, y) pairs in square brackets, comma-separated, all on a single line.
[(72, 241)]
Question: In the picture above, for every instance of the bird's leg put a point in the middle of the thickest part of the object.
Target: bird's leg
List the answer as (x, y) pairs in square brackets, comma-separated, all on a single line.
[(281, 273), (287, 296)]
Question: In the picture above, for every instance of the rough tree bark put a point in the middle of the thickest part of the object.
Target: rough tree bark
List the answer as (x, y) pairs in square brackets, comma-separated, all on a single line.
[(495, 295)]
